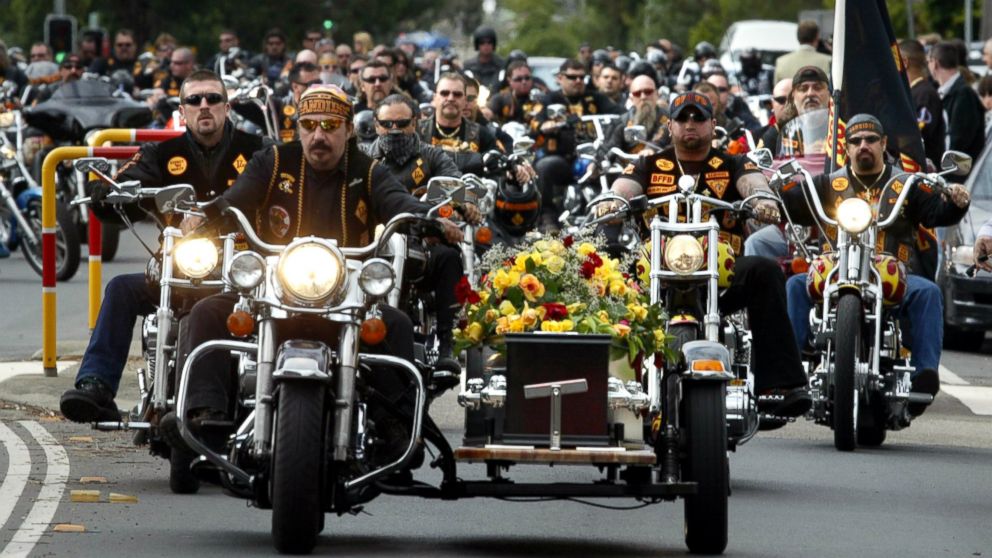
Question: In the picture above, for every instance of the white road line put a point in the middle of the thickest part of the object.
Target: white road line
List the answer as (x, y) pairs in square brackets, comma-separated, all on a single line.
[(976, 398), (47, 502), (18, 471), (948, 377)]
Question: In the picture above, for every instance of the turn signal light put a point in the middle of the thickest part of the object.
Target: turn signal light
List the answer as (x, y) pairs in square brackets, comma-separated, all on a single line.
[(445, 211), (799, 265), (240, 323), (373, 331), (707, 366), (484, 235)]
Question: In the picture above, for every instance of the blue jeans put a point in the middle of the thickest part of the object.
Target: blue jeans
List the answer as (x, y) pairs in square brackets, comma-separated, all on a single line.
[(768, 241), (125, 298), (921, 315)]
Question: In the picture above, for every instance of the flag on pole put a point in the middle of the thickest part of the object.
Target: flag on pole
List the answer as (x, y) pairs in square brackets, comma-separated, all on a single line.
[(869, 73)]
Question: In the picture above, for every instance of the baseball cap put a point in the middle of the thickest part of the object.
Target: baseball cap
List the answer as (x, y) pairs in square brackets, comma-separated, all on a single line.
[(809, 73), (863, 123), (691, 99)]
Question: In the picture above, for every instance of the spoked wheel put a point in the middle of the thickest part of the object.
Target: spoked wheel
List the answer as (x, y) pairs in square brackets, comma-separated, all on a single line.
[(66, 241), (297, 468), (846, 395), (705, 463)]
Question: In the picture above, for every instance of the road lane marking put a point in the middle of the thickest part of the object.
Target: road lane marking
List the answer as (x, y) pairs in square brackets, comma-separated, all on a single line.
[(43, 511), (948, 377), (976, 398), (30, 367), (18, 471)]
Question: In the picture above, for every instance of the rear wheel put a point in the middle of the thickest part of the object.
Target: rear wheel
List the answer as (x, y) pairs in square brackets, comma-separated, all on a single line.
[(846, 396), (66, 241), (705, 463), (297, 468)]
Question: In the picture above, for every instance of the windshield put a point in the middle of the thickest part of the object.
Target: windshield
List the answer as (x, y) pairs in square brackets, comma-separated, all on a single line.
[(981, 179), (804, 135)]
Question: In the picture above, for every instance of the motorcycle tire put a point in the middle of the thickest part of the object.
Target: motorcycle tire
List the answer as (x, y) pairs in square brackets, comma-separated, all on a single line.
[(297, 468), (871, 423), (682, 334), (847, 350), (66, 241), (109, 242), (705, 463), (181, 477)]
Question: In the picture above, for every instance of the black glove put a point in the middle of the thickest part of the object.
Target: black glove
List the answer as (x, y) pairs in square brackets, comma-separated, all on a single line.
[(99, 191)]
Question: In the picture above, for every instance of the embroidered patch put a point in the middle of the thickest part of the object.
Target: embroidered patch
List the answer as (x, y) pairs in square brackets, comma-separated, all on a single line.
[(517, 219), (417, 175), (664, 164), (362, 211), (903, 253), (289, 110), (660, 190), (839, 184), (176, 165), (897, 186), (286, 181), (629, 169), (279, 221), (240, 163), (750, 166), (719, 186), (717, 174), (715, 162), (664, 179)]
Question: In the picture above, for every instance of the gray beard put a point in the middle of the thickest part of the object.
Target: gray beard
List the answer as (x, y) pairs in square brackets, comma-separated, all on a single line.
[(646, 115)]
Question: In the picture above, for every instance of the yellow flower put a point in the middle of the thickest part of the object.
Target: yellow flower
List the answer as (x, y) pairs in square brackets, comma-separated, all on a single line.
[(483, 297), (532, 287), (575, 308), (556, 326), (554, 264), (516, 324), (504, 280), (502, 325), (621, 330), (520, 263), (542, 245), (491, 315), (566, 325), (603, 316), (618, 287), (556, 247), (659, 337), (637, 312), (541, 311), (529, 317), (600, 288), (585, 249), (506, 308), (474, 332)]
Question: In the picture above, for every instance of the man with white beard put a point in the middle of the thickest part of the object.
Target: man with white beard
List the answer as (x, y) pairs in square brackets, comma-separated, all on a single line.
[(644, 111)]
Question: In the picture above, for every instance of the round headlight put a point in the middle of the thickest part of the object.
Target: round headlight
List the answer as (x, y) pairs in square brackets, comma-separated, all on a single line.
[(683, 254), (195, 257), (247, 270), (376, 278), (854, 215), (310, 272)]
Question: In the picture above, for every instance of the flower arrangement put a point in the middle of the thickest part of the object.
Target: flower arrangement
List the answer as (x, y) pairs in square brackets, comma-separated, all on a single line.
[(567, 285)]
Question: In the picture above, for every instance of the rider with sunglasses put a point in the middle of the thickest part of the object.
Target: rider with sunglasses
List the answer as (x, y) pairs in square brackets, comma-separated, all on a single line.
[(865, 175), (758, 283), (464, 139), (644, 111), (210, 156)]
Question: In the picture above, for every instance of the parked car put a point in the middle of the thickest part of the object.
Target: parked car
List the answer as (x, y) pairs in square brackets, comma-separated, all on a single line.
[(545, 68), (771, 38), (968, 300)]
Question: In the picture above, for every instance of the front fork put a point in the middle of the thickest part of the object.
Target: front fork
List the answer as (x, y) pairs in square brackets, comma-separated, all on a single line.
[(163, 319)]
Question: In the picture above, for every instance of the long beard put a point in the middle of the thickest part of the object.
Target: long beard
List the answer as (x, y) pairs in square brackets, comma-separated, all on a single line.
[(646, 115)]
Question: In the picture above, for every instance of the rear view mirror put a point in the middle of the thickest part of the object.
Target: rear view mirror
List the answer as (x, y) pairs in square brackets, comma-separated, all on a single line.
[(956, 161), (87, 164), (169, 198), (634, 134), (440, 188), (762, 157)]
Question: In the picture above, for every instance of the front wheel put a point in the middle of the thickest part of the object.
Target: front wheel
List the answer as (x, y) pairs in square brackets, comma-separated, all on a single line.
[(66, 241), (297, 468), (705, 463), (847, 343)]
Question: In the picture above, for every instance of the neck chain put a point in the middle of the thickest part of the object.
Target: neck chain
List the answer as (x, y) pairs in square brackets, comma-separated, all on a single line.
[(862, 182), (437, 127), (695, 177)]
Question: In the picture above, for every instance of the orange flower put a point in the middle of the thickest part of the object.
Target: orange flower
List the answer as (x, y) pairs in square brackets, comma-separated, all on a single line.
[(532, 287)]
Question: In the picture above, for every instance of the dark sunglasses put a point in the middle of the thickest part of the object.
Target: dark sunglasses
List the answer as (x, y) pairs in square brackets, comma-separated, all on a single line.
[(394, 124), (518, 79), (471, 98), (375, 79), (124, 45), (780, 100), (694, 116), (454, 94), (722, 89), (354, 70), (872, 140), (327, 125), (641, 93), (573, 77), (212, 99), (73, 67)]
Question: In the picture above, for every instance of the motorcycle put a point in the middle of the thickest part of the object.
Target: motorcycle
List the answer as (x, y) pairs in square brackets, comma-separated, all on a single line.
[(309, 444), (860, 380), (74, 111)]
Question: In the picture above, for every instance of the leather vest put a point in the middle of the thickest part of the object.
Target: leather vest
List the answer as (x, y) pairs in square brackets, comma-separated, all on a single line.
[(467, 138), (179, 165)]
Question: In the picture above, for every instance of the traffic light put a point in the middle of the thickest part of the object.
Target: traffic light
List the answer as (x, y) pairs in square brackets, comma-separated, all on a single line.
[(60, 33), (328, 24)]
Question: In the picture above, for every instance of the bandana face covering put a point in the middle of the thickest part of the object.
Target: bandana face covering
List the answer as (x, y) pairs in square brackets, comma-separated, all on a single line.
[(399, 147)]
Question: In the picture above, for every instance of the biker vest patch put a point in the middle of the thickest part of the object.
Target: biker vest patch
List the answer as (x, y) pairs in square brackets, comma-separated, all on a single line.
[(178, 163)]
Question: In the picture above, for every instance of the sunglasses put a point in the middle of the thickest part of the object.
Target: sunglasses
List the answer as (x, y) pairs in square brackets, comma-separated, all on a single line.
[(780, 100), (327, 125), (73, 67), (574, 77), (354, 70), (871, 140), (375, 79), (694, 116), (722, 89), (521, 78), (124, 45), (471, 98), (212, 99), (453, 94), (641, 93), (394, 124)]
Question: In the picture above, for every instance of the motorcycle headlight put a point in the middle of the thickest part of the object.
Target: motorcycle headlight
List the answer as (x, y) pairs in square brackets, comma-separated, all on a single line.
[(247, 270), (684, 254), (963, 255), (854, 215), (311, 272), (376, 278), (195, 258)]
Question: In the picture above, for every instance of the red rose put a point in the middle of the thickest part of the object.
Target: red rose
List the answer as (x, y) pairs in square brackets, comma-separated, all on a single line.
[(555, 311), (587, 269), (464, 292), (568, 241), (595, 259)]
